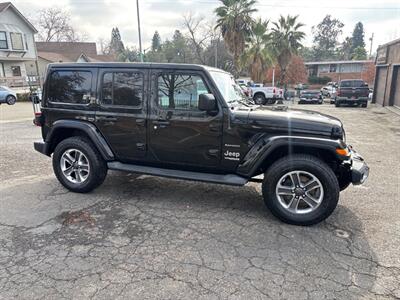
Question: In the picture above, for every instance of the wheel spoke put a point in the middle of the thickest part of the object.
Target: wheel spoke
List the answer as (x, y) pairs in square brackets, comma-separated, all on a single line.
[(311, 202), (67, 156), (313, 184), (68, 171), (294, 203), (284, 191), (295, 178)]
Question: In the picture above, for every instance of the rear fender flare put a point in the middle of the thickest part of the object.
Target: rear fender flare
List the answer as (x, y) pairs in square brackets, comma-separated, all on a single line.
[(89, 129)]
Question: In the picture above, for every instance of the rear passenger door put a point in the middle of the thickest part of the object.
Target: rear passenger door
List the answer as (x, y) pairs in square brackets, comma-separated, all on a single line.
[(121, 115)]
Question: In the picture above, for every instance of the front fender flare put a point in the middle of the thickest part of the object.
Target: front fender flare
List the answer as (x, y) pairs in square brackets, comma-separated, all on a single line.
[(266, 145)]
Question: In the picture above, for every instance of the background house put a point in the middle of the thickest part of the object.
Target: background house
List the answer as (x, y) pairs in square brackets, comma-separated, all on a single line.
[(387, 80), (17, 47), (58, 52), (339, 70)]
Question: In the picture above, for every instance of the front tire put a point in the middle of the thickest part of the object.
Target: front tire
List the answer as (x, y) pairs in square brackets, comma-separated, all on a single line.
[(11, 100), (78, 165), (337, 103), (300, 190)]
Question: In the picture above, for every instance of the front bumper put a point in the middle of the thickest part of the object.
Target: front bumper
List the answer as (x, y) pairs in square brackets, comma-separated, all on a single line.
[(359, 169)]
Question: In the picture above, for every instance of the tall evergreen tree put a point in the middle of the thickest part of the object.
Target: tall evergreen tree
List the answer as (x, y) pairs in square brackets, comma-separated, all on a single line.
[(357, 40), (116, 45), (156, 42)]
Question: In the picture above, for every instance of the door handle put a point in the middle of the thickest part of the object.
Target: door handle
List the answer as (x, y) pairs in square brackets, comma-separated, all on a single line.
[(140, 122), (161, 122), (107, 119)]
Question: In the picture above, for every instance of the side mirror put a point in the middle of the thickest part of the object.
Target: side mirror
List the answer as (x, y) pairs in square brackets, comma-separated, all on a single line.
[(365, 84), (207, 102)]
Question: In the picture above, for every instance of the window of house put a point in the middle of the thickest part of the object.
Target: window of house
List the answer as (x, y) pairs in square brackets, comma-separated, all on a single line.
[(332, 68), (3, 40), (16, 71), (70, 87), (26, 42), (180, 91), (122, 89), (17, 41)]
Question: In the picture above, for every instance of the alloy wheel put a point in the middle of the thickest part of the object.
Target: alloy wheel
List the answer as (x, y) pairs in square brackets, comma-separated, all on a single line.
[(299, 192), (75, 166)]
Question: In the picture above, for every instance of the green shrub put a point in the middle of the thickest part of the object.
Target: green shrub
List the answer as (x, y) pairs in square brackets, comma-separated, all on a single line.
[(23, 97), (319, 80)]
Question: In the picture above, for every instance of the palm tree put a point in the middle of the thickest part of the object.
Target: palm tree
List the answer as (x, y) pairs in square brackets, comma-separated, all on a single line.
[(258, 56), (286, 41), (235, 22)]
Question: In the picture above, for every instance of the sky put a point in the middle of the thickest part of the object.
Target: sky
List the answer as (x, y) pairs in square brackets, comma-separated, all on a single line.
[(97, 17)]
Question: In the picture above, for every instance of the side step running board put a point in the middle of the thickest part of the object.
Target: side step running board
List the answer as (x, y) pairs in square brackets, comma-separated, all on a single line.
[(229, 179)]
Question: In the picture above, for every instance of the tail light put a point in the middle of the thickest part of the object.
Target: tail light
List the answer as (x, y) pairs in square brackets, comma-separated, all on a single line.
[(338, 93), (274, 91), (36, 109)]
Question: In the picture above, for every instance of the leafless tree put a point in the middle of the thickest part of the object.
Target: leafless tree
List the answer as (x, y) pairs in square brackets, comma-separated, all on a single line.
[(54, 25), (104, 46), (199, 33)]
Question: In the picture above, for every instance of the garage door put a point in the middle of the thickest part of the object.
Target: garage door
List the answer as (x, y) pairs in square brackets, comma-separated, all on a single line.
[(396, 87), (380, 86)]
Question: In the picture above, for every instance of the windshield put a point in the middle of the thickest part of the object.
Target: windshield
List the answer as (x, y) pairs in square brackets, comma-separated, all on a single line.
[(232, 93)]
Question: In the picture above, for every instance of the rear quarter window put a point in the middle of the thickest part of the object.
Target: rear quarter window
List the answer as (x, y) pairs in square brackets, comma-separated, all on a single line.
[(70, 87)]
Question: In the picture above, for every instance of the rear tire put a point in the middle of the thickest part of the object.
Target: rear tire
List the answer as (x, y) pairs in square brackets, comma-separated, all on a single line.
[(259, 99), (364, 105), (309, 168), (11, 100), (71, 158)]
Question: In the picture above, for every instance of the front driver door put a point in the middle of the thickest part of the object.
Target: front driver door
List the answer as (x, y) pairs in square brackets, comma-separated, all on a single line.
[(179, 133)]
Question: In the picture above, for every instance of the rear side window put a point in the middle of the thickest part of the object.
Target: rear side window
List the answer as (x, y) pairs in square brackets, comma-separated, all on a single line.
[(122, 89), (70, 87)]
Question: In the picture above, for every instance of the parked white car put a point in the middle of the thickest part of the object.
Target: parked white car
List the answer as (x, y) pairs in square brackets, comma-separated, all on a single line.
[(266, 95), (328, 91)]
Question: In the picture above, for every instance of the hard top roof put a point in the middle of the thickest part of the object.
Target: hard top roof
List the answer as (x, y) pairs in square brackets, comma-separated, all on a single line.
[(135, 65)]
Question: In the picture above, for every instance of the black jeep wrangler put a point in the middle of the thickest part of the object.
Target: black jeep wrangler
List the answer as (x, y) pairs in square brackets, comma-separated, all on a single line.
[(192, 122)]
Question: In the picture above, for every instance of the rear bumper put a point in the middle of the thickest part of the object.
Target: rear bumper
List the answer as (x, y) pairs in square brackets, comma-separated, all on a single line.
[(349, 100), (359, 169), (42, 147)]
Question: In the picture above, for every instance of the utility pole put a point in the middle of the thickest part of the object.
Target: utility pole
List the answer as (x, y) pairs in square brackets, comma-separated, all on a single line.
[(216, 53), (371, 40), (140, 34)]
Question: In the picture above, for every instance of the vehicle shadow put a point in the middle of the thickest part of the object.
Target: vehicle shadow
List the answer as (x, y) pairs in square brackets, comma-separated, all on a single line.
[(210, 238)]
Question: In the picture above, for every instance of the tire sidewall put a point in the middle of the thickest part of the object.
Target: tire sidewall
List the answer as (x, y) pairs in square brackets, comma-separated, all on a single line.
[(329, 184)]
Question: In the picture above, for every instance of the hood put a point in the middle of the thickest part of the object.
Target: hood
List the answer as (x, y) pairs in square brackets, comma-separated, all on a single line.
[(295, 121)]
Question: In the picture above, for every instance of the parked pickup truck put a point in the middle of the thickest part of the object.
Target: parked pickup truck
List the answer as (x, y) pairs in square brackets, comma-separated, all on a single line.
[(191, 122), (265, 95), (353, 92)]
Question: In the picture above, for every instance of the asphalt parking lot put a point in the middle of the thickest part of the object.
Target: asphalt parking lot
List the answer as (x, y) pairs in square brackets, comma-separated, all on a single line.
[(153, 238)]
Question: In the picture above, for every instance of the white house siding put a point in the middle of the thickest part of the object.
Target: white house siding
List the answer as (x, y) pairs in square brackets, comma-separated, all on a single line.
[(11, 21)]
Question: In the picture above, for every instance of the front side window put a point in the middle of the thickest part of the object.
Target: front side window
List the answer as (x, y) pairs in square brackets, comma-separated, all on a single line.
[(70, 87), (3, 40), (16, 41), (16, 71), (180, 91), (122, 89)]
